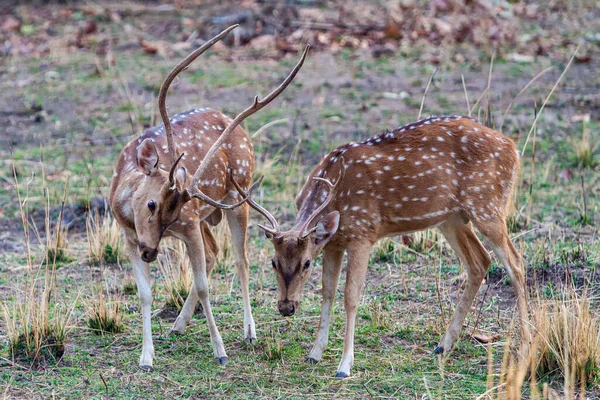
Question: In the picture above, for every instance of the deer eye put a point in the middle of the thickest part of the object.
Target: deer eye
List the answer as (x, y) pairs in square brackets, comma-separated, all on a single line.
[(306, 265), (152, 205), (273, 264)]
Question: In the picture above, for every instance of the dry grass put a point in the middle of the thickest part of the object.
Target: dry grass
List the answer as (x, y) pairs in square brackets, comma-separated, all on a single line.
[(584, 150), (36, 326), (105, 316), (565, 346), (174, 265), (104, 239)]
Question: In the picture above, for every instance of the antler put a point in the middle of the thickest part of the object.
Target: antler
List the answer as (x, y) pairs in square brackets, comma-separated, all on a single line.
[(248, 195), (193, 189), (330, 197), (164, 88)]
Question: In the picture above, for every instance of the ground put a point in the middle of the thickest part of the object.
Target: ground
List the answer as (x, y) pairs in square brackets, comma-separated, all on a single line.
[(72, 100)]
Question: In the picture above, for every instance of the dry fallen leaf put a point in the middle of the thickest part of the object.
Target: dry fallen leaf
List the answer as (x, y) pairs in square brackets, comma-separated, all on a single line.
[(148, 47), (484, 338)]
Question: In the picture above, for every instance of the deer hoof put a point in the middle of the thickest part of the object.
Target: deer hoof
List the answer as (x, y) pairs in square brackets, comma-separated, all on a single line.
[(250, 340), (311, 360), (146, 368), (341, 375), (221, 360), (438, 350)]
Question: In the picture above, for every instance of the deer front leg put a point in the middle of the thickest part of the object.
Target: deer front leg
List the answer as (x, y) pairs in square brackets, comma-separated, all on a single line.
[(141, 270), (238, 224), (358, 260), (195, 248), (332, 265)]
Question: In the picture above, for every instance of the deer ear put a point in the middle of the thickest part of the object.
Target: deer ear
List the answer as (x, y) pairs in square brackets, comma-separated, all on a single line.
[(180, 179), (147, 157), (214, 218), (327, 227)]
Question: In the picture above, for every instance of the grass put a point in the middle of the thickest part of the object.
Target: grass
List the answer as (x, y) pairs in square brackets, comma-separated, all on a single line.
[(175, 268), (105, 316), (104, 238)]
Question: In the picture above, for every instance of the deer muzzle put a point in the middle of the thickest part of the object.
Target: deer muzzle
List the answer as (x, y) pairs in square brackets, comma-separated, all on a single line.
[(287, 308), (148, 254)]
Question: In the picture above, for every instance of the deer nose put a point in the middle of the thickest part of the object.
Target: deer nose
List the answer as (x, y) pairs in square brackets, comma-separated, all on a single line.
[(148, 254), (286, 308)]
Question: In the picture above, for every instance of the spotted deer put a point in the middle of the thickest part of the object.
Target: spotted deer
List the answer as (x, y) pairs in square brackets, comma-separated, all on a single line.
[(446, 172), (151, 199)]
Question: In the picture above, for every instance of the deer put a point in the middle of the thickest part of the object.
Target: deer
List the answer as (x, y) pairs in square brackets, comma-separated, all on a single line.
[(446, 172), (151, 199)]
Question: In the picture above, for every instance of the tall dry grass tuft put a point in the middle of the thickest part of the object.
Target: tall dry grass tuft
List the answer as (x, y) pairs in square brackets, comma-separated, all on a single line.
[(105, 316), (564, 353), (174, 265), (584, 150), (569, 339), (56, 247), (104, 239), (36, 326)]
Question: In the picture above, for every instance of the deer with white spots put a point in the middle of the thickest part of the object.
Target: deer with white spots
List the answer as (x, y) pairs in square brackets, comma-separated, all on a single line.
[(150, 199), (446, 172)]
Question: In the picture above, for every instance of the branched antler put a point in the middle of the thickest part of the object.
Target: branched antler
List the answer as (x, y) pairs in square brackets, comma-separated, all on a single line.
[(248, 195), (164, 88), (304, 229), (193, 189)]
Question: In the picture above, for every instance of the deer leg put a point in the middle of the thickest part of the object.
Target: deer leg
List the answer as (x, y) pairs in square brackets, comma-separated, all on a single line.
[(238, 224), (141, 270), (189, 307), (332, 265), (358, 261), (497, 235), (476, 259), (195, 248), (186, 313)]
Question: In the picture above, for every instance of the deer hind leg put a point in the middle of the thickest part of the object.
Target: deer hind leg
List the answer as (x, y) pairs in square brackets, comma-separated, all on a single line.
[(142, 277), (464, 242), (496, 234), (195, 247), (238, 224), (358, 261), (332, 265), (187, 311)]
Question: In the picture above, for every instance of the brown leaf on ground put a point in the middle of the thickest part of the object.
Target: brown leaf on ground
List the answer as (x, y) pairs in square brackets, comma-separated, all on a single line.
[(481, 338), (11, 24), (149, 48)]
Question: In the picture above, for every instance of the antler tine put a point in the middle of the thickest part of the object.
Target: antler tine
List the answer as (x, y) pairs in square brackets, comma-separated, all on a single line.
[(164, 88), (245, 197), (256, 105), (330, 197), (275, 230)]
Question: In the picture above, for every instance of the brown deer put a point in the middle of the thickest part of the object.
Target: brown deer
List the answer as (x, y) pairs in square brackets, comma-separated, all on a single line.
[(150, 198), (446, 172)]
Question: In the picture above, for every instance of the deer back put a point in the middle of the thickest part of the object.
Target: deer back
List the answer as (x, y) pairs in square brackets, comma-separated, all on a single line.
[(413, 177)]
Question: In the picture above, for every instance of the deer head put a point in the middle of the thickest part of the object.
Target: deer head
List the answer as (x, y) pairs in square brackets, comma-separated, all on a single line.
[(158, 200), (296, 248)]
